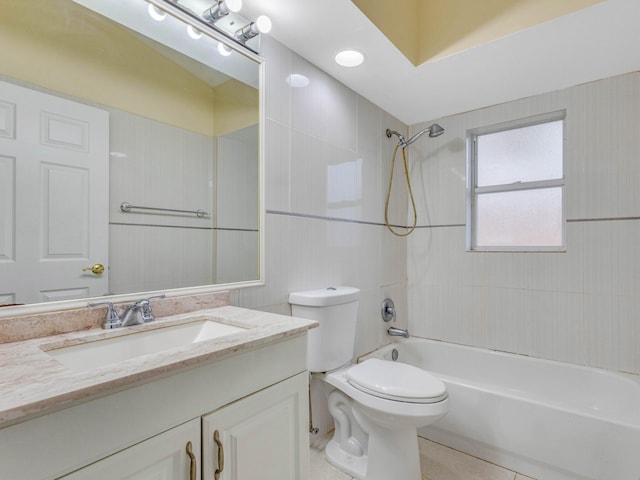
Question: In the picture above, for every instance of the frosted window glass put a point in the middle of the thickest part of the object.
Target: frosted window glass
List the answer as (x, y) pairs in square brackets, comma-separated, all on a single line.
[(520, 218), (520, 155)]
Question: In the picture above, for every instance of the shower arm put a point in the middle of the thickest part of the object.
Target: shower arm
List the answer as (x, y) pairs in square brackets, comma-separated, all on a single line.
[(401, 141), (417, 135)]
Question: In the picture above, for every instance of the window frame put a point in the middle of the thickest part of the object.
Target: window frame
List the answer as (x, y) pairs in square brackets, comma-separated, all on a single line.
[(473, 190)]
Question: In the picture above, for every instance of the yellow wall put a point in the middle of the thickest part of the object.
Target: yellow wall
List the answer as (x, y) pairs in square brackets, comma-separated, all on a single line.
[(61, 46), (236, 107), (397, 19), (451, 26)]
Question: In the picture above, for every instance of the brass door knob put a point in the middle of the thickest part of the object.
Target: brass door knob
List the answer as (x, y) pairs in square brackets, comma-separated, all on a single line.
[(97, 269)]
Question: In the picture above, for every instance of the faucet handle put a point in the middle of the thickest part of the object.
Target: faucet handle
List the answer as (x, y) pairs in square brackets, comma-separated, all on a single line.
[(145, 306), (113, 319), (388, 310)]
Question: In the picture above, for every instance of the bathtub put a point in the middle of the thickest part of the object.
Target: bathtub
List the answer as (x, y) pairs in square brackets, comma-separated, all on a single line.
[(545, 419)]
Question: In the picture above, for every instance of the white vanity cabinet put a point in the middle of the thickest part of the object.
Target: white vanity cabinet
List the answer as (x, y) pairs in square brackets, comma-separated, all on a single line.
[(174, 454), (255, 399), (260, 436)]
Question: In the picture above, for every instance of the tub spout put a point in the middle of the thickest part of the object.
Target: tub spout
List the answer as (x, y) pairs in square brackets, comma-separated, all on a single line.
[(398, 332)]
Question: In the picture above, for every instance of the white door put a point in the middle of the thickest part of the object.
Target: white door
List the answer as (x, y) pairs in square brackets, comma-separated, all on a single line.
[(54, 187), (263, 436), (172, 455)]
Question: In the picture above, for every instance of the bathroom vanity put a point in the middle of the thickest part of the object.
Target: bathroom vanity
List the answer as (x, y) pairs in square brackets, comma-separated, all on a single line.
[(229, 407)]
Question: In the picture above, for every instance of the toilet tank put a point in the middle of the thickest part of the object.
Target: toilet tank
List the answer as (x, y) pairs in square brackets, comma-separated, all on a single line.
[(332, 343)]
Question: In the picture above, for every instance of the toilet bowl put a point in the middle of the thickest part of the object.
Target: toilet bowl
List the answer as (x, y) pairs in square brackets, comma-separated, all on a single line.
[(377, 405), (388, 402)]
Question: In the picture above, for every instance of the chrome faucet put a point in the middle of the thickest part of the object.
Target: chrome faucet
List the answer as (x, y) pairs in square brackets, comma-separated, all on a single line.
[(398, 332), (139, 312), (135, 314), (112, 320)]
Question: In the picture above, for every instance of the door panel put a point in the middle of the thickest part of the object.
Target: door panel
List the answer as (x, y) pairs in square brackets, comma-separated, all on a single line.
[(54, 174)]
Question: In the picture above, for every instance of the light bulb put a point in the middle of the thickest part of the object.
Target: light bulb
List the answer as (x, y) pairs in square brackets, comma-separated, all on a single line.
[(220, 9), (234, 5), (194, 32), (155, 13), (263, 23), (224, 50)]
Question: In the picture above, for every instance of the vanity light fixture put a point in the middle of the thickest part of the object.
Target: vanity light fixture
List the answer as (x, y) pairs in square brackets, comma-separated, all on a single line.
[(220, 9), (349, 58), (155, 13), (261, 25), (221, 19)]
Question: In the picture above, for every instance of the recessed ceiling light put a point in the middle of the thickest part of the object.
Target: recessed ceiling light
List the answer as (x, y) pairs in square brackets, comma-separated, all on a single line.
[(349, 58)]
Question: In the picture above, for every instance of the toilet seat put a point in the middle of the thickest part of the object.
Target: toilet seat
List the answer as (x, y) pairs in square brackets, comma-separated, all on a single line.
[(396, 381)]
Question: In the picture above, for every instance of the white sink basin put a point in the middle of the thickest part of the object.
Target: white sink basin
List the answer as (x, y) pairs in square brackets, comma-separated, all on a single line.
[(90, 355)]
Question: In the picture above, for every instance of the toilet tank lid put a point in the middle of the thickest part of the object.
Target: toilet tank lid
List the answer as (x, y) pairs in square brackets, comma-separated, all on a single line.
[(325, 297)]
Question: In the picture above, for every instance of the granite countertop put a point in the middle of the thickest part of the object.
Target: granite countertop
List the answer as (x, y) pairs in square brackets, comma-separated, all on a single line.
[(33, 383)]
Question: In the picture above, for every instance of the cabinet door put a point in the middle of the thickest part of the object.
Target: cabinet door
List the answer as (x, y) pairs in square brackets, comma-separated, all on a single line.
[(172, 455), (264, 435)]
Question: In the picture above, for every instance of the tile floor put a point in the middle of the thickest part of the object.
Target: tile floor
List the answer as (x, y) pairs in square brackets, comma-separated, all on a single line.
[(438, 463)]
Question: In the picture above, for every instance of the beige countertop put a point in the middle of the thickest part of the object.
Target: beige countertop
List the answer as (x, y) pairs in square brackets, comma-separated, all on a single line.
[(33, 383)]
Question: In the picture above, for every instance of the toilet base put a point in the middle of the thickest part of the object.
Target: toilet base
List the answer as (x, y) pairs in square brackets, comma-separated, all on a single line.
[(376, 438), (353, 465), (368, 450), (393, 454), (396, 457)]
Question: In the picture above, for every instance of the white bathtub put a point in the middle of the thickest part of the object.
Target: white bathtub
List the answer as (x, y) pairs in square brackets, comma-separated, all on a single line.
[(548, 420)]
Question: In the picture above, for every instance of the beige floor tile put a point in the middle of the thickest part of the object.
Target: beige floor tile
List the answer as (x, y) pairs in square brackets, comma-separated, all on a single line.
[(444, 463), (438, 463)]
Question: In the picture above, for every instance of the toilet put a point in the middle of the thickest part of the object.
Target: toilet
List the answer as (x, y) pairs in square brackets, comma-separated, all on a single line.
[(377, 405)]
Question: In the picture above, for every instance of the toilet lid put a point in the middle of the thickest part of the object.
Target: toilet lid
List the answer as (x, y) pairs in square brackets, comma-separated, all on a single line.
[(396, 381)]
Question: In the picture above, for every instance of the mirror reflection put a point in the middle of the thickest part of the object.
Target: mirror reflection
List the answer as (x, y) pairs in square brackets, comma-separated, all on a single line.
[(117, 150)]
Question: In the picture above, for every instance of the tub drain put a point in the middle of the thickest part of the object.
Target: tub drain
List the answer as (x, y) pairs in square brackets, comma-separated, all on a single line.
[(394, 354)]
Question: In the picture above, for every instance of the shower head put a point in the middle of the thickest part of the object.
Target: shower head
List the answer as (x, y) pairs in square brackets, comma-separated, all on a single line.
[(434, 130)]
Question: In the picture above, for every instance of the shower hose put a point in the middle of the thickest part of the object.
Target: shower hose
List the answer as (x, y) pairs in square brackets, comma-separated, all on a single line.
[(413, 203)]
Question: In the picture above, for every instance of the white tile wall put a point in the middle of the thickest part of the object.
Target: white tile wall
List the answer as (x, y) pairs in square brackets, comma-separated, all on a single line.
[(576, 306), (156, 165), (326, 166), (237, 218)]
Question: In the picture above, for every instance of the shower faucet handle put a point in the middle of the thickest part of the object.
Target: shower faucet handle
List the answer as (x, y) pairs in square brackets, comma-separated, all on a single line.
[(388, 310)]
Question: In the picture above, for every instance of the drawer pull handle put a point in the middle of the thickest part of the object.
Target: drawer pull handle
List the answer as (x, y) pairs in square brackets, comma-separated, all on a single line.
[(193, 466), (218, 442)]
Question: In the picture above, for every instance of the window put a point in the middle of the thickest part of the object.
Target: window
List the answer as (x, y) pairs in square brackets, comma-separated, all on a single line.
[(516, 184)]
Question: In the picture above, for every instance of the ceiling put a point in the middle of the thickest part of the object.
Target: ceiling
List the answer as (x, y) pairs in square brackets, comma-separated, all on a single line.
[(597, 42)]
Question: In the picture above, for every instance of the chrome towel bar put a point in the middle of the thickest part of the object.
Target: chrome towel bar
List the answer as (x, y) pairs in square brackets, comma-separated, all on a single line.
[(126, 207)]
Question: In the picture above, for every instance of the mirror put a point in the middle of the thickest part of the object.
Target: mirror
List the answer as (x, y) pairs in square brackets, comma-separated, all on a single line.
[(128, 142)]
